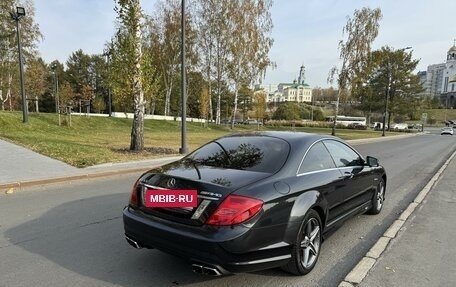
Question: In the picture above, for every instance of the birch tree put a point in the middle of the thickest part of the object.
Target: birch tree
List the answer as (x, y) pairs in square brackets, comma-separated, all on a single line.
[(213, 41), (250, 43), (360, 31), (166, 42), (126, 65)]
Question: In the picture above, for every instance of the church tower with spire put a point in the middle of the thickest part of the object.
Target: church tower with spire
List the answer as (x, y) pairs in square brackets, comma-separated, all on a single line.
[(296, 91), (302, 75), (451, 55), (448, 86)]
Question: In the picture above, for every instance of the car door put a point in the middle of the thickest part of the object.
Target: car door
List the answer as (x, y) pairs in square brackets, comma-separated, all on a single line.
[(357, 184), (318, 172)]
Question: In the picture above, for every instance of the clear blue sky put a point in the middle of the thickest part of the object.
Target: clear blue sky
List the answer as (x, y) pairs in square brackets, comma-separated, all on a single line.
[(305, 31)]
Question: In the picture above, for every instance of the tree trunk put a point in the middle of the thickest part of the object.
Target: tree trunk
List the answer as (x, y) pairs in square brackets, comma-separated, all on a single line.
[(168, 100), (211, 112), (389, 120), (8, 93), (152, 107), (2, 102), (1, 94), (219, 99), (137, 129), (37, 109), (235, 105), (211, 115)]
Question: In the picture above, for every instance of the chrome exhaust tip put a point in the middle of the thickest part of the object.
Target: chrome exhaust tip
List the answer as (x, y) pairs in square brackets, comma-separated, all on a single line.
[(205, 270), (133, 243), (197, 269), (211, 271)]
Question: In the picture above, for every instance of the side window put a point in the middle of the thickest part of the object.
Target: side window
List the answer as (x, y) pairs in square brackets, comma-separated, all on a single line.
[(317, 158), (342, 154)]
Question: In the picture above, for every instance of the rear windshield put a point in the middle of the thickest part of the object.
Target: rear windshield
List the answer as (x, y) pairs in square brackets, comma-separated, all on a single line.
[(253, 153)]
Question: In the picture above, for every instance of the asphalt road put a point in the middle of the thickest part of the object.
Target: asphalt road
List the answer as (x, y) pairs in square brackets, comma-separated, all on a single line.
[(72, 234)]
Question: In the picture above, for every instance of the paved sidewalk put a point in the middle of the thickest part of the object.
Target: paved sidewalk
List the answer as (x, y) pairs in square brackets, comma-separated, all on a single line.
[(424, 251), (19, 164), (20, 167)]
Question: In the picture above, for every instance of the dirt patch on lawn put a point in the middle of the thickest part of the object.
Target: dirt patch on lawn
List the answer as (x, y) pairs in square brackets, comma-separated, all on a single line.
[(148, 151)]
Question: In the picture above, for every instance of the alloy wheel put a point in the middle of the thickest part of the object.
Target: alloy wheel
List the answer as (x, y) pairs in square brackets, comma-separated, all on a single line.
[(380, 196), (310, 244)]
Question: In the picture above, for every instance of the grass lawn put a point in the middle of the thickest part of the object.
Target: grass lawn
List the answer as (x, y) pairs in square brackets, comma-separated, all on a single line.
[(96, 140), (441, 114)]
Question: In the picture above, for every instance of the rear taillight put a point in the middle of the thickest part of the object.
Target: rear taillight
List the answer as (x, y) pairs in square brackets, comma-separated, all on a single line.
[(235, 209), (134, 195)]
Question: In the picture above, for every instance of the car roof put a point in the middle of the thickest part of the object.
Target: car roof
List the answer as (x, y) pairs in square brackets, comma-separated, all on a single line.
[(299, 143), (285, 135), (297, 140)]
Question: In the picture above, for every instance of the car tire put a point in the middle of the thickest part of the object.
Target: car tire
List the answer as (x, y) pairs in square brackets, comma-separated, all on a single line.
[(306, 249), (378, 199)]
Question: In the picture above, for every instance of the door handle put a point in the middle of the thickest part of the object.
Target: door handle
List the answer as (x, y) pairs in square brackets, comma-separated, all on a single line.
[(347, 175)]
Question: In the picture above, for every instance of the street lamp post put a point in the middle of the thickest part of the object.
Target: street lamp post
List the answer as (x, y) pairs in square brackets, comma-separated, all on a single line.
[(385, 114), (107, 54), (56, 88), (183, 149), (387, 95), (16, 16)]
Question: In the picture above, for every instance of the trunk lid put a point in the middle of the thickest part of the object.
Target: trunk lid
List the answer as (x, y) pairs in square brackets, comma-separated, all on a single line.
[(213, 185)]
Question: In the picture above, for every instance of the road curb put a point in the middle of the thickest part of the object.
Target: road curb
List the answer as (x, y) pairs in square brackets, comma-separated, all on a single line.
[(359, 272), (383, 139)]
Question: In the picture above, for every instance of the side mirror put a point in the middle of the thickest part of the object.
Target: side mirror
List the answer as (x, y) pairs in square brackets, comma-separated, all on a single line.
[(372, 161)]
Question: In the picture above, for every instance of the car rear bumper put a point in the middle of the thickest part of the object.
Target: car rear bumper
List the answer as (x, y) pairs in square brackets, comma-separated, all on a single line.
[(223, 250)]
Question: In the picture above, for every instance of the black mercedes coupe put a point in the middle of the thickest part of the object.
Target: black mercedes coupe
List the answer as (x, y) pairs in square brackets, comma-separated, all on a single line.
[(263, 200)]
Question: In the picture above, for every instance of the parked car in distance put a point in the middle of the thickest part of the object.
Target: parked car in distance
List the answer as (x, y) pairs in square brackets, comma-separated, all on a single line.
[(413, 126), (450, 123), (252, 122), (264, 200), (400, 127), (228, 122), (447, 131), (356, 126), (225, 121), (378, 126)]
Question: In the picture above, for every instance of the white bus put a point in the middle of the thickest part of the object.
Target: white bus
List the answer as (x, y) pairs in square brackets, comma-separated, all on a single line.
[(348, 120)]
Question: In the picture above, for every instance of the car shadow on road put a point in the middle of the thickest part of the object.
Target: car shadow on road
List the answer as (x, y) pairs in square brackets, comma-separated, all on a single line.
[(86, 237)]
